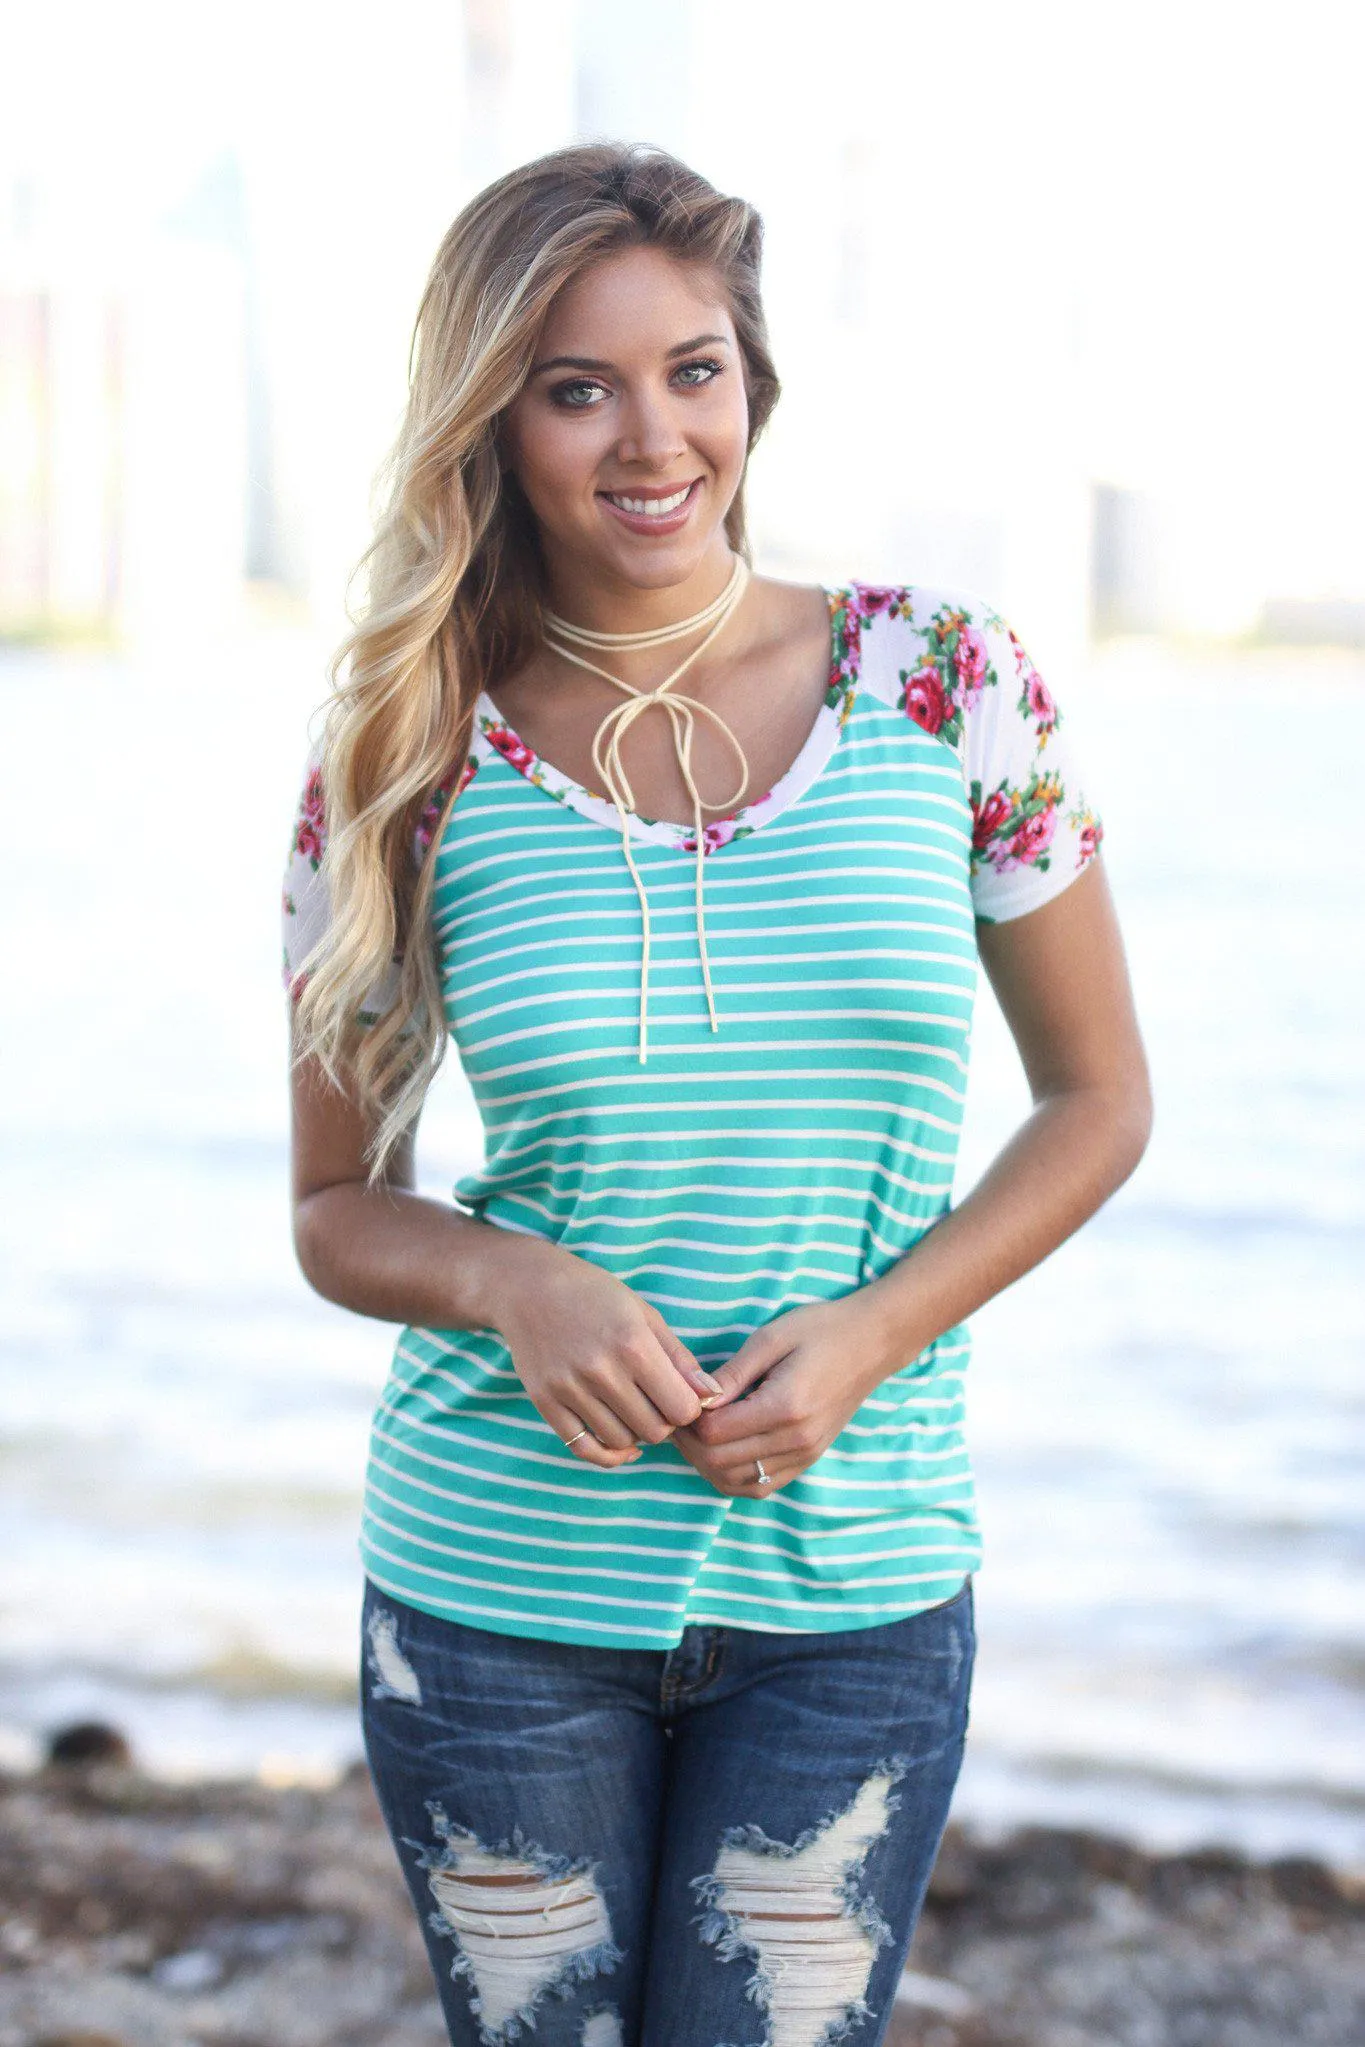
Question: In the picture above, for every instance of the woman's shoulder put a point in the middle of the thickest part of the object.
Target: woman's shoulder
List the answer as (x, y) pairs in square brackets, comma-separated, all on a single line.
[(932, 612), (946, 659), (932, 649)]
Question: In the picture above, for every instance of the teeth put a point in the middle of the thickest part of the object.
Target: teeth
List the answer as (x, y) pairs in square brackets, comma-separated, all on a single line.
[(650, 508)]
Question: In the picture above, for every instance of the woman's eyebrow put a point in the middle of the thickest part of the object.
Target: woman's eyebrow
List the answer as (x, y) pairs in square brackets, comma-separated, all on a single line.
[(592, 362)]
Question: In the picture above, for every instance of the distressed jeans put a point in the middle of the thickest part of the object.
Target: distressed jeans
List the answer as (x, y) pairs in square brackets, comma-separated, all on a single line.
[(725, 1844)]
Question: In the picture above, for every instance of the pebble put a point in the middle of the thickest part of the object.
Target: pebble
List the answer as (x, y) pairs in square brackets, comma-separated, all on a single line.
[(198, 1968)]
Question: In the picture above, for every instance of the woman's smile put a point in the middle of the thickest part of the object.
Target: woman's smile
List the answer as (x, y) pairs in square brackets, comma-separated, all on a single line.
[(643, 511)]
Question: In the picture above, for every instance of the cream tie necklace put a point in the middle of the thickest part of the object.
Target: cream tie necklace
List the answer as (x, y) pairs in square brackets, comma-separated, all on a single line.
[(607, 759)]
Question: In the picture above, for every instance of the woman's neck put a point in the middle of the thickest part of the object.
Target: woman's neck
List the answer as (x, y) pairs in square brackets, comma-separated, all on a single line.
[(613, 605)]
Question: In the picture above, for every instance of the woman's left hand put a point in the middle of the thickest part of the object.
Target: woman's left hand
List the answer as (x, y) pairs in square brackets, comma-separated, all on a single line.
[(810, 1370)]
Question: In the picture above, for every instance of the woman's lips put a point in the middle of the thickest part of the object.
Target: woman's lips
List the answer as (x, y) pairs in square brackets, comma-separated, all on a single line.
[(625, 506)]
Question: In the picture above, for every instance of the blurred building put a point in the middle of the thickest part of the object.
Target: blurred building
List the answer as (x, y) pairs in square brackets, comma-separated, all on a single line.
[(124, 445), (204, 322), (1127, 592), (61, 405)]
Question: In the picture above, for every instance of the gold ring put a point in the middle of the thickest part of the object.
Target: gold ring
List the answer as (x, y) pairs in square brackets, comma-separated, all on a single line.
[(569, 1441)]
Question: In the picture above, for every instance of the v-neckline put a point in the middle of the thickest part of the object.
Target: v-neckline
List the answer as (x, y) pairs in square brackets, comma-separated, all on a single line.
[(810, 763)]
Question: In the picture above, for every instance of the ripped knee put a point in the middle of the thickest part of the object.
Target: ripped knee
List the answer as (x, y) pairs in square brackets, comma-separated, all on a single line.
[(525, 1925), (795, 1911)]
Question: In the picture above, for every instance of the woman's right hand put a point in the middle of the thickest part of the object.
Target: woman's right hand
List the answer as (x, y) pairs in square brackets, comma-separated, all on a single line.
[(593, 1355)]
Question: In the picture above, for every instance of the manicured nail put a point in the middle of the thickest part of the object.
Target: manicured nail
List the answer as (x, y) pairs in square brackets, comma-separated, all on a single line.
[(711, 1399), (707, 1380)]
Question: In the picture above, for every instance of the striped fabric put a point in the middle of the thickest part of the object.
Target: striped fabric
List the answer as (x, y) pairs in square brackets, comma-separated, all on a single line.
[(791, 1156)]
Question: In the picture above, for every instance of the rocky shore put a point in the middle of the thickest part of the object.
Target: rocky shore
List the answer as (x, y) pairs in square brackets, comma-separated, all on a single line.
[(139, 1914)]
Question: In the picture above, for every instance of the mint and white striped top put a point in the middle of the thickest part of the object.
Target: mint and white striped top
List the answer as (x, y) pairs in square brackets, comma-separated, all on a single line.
[(790, 1156)]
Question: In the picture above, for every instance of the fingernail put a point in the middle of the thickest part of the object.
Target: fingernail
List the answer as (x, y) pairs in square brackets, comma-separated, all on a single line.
[(711, 1399), (714, 1384), (634, 1457)]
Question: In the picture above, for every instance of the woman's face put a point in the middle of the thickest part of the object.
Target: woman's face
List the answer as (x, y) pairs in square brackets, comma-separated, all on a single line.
[(630, 435)]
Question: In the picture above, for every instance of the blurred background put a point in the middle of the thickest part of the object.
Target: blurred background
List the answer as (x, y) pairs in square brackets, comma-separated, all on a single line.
[(1067, 303)]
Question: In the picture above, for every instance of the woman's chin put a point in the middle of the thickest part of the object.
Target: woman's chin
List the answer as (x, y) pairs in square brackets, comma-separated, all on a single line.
[(662, 562)]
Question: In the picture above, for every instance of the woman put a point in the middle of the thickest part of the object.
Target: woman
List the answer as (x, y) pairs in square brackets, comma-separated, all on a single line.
[(668, 1529)]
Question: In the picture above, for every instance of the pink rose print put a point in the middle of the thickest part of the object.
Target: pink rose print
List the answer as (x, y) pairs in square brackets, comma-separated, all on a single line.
[(991, 818), (1040, 702), (513, 750), (852, 637), (431, 816), (1016, 827), (846, 627), (715, 835), (925, 699), (1031, 841), (310, 833), (870, 598), (1088, 843), (970, 659)]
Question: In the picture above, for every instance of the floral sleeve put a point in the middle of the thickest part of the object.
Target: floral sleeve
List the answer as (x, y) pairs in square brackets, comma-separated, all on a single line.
[(950, 662), (306, 906), (1033, 826)]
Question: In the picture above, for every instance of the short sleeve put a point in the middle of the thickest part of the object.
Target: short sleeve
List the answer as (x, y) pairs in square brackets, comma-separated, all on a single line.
[(306, 901), (1034, 826)]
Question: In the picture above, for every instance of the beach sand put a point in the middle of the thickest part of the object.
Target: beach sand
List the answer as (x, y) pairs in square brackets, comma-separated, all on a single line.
[(136, 1913)]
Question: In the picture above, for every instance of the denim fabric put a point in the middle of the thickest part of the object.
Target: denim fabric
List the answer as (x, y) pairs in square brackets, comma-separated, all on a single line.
[(725, 1844)]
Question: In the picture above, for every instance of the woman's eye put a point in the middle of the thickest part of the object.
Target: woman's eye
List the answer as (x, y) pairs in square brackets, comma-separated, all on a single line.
[(582, 394), (578, 395)]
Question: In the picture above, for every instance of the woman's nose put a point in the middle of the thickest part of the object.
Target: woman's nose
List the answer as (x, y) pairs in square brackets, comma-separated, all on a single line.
[(650, 433)]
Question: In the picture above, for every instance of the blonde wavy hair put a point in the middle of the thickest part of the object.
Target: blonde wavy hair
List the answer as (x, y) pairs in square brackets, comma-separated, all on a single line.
[(454, 581)]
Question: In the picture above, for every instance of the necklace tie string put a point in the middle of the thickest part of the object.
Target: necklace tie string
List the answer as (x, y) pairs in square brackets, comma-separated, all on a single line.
[(562, 638)]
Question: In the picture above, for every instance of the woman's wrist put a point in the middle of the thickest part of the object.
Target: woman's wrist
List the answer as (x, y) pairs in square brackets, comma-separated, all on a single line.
[(890, 1321), (502, 1269)]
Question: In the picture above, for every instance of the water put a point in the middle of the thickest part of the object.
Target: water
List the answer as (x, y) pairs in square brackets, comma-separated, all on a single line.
[(1168, 1417)]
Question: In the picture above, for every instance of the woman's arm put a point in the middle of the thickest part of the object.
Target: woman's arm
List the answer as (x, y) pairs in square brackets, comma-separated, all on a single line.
[(388, 1251), (1061, 979), (591, 1353), (1062, 982)]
